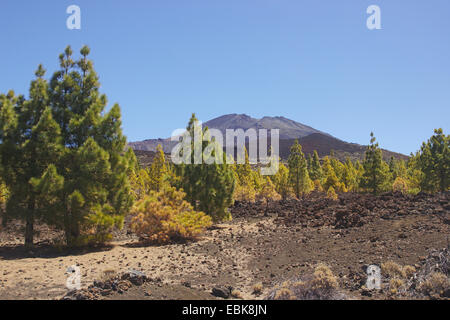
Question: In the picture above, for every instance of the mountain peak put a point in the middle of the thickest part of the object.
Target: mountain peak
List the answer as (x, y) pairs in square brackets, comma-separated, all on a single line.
[(310, 138), (289, 129)]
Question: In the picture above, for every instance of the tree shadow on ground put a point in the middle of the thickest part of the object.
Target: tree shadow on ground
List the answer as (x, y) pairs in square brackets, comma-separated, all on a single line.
[(148, 244), (47, 251)]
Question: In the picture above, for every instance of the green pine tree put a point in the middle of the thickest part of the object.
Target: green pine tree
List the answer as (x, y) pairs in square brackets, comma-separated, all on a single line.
[(376, 177), (96, 192), (350, 176), (315, 172), (414, 174), (209, 187), (397, 168), (298, 170), (330, 177), (281, 181), (8, 145), (31, 144), (434, 162)]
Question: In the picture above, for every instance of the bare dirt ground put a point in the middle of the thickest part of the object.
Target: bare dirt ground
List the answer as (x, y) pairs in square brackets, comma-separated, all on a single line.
[(256, 247)]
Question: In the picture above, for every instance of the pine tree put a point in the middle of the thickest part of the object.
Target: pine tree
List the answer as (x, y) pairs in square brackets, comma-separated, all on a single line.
[(247, 180), (244, 181), (349, 177), (391, 164), (133, 162), (359, 175), (159, 170), (209, 187), (4, 195), (30, 144), (414, 174), (397, 168), (140, 183), (330, 178), (338, 167), (96, 192), (434, 161), (281, 181), (244, 193), (257, 180), (331, 194), (309, 161), (268, 193), (8, 145), (154, 178), (244, 170), (376, 177), (315, 172), (298, 171)]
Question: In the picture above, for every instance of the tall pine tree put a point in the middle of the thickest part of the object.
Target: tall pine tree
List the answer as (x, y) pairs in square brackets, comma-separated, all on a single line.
[(434, 161), (209, 187), (298, 170), (96, 192), (315, 172), (376, 177), (32, 145)]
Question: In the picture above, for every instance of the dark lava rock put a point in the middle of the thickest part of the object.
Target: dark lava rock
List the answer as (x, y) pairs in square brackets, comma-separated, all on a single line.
[(135, 277), (221, 292)]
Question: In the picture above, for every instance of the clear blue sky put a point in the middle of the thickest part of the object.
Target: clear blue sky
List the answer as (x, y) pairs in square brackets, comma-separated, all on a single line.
[(312, 61)]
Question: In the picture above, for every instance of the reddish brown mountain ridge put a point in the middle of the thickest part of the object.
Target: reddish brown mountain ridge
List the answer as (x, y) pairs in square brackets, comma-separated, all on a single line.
[(310, 138)]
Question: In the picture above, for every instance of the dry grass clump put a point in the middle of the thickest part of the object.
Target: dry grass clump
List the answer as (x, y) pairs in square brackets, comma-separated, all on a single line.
[(395, 284), (398, 276), (284, 294), (323, 278), (236, 294), (437, 284), (409, 271), (257, 289), (431, 280), (320, 285), (391, 269)]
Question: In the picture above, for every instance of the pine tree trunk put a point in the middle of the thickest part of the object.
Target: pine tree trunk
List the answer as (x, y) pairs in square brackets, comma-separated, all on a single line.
[(72, 232), (442, 181), (29, 228), (4, 219)]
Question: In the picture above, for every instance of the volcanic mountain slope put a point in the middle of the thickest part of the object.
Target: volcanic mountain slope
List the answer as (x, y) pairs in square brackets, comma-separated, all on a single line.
[(311, 139), (325, 144), (289, 129)]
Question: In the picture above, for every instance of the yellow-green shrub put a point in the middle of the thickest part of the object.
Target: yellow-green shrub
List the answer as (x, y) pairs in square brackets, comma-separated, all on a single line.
[(267, 191), (244, 193), (400, 185), (318, 185), (165, 216), (331, 194)]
